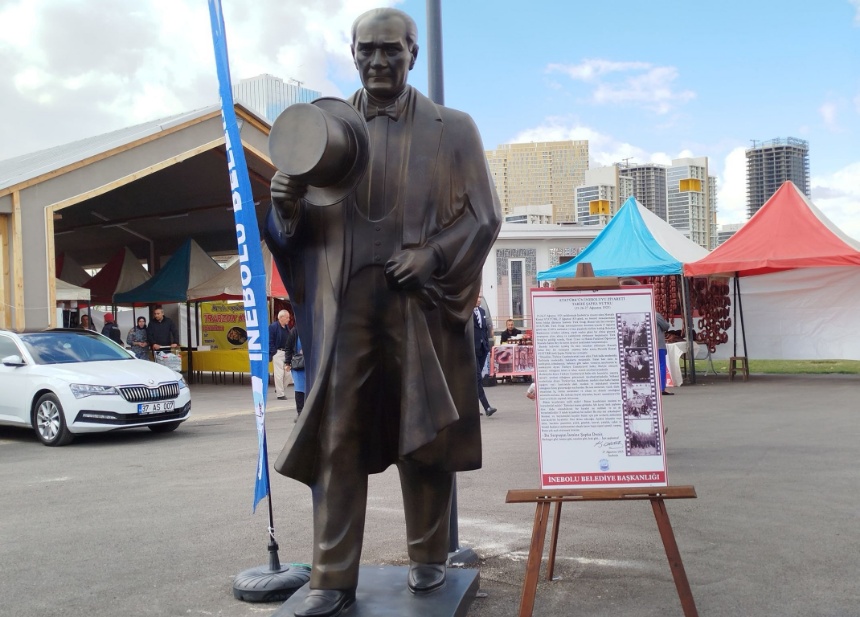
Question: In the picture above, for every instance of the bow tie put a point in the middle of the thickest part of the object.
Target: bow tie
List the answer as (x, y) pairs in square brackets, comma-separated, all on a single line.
[(374, 111)]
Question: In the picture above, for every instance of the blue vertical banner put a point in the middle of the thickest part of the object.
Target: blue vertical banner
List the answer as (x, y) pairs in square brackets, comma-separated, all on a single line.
[(252, 268)]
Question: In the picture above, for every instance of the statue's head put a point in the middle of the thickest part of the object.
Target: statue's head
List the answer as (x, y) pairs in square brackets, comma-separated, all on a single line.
[(384, 47)]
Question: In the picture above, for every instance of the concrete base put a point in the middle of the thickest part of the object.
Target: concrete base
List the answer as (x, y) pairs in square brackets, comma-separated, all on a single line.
[(382, 592)]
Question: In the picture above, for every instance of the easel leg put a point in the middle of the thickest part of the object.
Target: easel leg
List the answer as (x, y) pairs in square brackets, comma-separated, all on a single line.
[(527, 602), (674, 555), (550, 566)]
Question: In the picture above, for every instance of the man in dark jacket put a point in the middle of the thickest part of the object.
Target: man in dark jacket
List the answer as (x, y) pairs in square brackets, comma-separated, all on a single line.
[(510, 331), (161, 331), (111, 330), (383, 283), (481, 327)]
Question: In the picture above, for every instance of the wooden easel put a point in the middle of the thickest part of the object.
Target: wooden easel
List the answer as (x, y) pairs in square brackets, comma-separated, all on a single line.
[(544, 498)]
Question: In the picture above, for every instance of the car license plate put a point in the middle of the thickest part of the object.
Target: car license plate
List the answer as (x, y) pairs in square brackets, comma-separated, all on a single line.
[(145, 408)]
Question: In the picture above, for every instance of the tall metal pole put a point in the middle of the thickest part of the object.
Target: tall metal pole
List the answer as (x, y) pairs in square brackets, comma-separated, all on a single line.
[(436, 91), (435, 77)]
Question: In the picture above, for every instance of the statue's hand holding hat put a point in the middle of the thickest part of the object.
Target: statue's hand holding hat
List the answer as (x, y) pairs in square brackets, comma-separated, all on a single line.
[(322, 146)]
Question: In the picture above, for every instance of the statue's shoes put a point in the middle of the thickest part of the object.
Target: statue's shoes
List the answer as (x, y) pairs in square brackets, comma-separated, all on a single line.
[(425, 577), (325, 603)]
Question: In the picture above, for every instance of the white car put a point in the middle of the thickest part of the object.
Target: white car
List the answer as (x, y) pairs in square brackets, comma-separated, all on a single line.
[(65, 382)]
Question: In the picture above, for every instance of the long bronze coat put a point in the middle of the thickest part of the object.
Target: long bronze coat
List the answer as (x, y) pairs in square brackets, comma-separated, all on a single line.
[(448, 202)]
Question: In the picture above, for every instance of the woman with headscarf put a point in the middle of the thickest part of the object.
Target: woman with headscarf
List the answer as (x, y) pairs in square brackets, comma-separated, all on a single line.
[(137, 340)]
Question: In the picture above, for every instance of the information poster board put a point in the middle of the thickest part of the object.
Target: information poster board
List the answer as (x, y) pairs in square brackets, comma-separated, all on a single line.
[(597, 374), (224, 325)]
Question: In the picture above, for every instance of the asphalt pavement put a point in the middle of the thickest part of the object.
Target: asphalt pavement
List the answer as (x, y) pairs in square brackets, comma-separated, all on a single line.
[(134, 524)]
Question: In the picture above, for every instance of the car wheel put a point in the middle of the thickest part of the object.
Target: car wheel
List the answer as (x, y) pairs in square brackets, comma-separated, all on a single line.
[(167, 427), (50, 422)]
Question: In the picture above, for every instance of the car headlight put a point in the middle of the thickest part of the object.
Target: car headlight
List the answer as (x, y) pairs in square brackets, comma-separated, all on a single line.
[(82, 390), (181, 380)]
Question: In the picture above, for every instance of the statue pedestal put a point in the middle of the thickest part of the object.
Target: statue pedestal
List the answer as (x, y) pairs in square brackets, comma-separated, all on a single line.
[(382, 592)]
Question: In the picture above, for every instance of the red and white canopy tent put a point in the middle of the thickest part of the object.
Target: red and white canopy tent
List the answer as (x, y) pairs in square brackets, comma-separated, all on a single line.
[(801, 284), (67, 269), (227, 285), (121, 273)]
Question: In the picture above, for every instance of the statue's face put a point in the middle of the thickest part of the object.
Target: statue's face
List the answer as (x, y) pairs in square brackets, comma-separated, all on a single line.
[(382, 56)]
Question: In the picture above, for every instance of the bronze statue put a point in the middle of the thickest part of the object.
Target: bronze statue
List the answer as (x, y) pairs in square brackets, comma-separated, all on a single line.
[(383, 283)]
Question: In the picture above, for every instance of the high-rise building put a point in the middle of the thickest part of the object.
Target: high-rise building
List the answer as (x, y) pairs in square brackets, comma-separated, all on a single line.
[(540, 173), (690, 199), (727, 231), (770, 163), (531, 215), (649, 185), (268, 95), (712, 199), (603, 193)]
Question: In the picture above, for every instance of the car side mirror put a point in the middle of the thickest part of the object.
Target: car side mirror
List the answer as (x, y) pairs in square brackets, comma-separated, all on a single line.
[(13, 361)]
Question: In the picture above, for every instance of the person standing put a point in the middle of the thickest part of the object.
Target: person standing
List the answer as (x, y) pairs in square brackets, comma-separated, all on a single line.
[(382, 284), (278, 332), (295, 359), (86, 324), (138, 340), (161, 331), (662, 327), (111, 330), (481, 329)]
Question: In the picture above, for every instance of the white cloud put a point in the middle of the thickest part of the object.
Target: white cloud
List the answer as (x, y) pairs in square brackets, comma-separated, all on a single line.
[(828, 114), (856, 5), (629, 83), (732, 188), (838, 196), (77, 68), (603, 149), (590, 69)]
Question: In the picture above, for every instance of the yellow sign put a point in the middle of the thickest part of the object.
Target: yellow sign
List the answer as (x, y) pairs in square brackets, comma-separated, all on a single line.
[(598, 206), (224, 325), (690, 185)]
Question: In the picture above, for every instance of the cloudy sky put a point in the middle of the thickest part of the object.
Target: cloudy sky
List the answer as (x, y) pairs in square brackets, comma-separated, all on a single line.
[(645, 81)]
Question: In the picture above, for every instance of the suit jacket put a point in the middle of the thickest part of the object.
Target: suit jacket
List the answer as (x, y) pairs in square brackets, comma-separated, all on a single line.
[(482, 333), (449, 203)]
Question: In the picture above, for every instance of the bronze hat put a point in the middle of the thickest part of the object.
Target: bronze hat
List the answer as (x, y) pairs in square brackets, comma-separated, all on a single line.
[(325, 144)]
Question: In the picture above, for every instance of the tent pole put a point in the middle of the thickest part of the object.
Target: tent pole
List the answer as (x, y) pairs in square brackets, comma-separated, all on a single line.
[(735, 318), (190, 365), (197, 324), (741, 309), (688, 321)]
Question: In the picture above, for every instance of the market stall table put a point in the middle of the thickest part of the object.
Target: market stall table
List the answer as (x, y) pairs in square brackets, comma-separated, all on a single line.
[(218, 363)]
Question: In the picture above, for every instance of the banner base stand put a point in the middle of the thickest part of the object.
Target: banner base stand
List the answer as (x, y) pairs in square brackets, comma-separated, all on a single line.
[(262, 584), (272, 583)]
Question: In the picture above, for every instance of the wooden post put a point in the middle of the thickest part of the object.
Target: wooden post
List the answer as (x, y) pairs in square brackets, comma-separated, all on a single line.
[(17, 263)]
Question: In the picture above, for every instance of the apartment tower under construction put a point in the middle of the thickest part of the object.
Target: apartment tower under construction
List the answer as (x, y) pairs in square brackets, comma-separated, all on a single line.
[(770, 163)]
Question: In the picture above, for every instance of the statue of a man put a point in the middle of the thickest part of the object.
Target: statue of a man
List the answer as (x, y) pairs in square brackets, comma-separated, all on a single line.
[(383, 284)]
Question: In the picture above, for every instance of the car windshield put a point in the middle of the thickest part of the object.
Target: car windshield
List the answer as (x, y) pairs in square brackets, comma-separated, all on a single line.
[(70, 346)]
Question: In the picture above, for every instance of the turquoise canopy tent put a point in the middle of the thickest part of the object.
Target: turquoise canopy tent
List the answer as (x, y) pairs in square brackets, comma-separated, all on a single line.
[(188, 267), (636, 242)]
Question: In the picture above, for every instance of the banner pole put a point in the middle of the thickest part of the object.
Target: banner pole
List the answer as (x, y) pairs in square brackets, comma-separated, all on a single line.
[(273, 582)]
